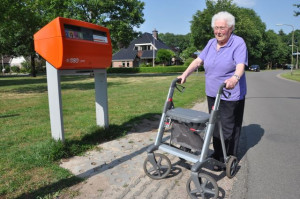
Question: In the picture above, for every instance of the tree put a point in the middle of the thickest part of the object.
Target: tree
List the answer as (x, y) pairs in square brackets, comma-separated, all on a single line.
[(297, 13), (20, 19), (120, 16), (188, 53), (287, 42), (250, 27), (275, 50), (164, 56), (176, 41), (18, 24)]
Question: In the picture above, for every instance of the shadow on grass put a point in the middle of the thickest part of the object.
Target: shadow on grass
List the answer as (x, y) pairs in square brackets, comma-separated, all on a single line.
[(76, 147), (11, 115), (52, 188), (76, 86), (27, 80), (19, 81), (26, 86)]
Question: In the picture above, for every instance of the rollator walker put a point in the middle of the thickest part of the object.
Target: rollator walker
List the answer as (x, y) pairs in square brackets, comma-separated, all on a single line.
[(191, 133)]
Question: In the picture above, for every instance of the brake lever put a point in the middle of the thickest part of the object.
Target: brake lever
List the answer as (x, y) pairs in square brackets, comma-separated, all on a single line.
[(181, 89), (228, 94)]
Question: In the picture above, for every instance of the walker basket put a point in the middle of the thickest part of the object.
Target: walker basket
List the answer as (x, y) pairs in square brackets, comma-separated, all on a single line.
[(185, 135)]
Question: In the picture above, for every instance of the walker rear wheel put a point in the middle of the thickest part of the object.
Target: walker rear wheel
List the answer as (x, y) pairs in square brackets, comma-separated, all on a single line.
[(160, 168), (208, 187), (231, 167)]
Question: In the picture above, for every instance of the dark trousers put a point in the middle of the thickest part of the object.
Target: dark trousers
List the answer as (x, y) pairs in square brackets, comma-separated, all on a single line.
[(231, 113)]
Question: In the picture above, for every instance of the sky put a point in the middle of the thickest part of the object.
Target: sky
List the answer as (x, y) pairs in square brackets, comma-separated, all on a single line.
[(174, 16)]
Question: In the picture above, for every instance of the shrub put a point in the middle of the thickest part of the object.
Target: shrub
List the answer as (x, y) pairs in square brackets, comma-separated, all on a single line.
[(7, 69), (156, 69), (164, 56), (188, 61), (15, 69), (145, 65), (123, 70)]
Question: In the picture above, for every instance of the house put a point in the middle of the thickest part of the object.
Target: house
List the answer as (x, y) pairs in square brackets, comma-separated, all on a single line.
[(5, 61), (140, 51), (17, 61), (12, 61)]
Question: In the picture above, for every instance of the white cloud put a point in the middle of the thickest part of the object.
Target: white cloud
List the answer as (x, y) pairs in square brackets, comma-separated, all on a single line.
[(245, 3)]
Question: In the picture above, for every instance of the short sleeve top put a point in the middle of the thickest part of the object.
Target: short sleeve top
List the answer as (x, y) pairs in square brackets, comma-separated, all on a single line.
[(220, 65)]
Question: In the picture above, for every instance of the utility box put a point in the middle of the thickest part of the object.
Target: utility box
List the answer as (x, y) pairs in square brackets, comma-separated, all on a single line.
[(70, 47), (73, 44)]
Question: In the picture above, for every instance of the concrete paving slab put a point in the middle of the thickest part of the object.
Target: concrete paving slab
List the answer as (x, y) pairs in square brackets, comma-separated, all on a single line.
[(116, 169)]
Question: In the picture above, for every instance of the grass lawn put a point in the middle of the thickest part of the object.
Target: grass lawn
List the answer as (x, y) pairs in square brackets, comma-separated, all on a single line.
[(29, 158), (295, 75)]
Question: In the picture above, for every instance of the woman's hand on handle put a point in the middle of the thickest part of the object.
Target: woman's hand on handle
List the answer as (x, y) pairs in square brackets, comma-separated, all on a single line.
[(182, 79), (231, 82)]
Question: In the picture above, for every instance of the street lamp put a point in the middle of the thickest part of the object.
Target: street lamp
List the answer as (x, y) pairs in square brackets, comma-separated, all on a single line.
[(153, 64), (297, 53), (292, 38)]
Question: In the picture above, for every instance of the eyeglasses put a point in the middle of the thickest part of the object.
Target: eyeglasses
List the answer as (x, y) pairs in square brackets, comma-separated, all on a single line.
[(222, 28)]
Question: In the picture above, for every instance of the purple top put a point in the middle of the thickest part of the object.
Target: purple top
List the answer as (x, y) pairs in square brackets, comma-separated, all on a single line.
[(220, 65)]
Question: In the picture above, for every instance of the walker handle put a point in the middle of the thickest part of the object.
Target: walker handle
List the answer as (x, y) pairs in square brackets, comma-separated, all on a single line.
[(222, 91), (175, 81)]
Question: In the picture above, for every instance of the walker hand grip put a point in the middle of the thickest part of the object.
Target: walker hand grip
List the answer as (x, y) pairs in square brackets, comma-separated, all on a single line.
[(220, 91), (175, 84), (175, 81)]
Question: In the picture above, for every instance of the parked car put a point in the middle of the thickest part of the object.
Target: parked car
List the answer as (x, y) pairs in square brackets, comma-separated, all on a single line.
[(287, 66), (255, 68)]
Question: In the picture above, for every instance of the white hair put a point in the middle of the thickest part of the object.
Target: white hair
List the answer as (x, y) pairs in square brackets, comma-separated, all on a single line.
[(229, 18)]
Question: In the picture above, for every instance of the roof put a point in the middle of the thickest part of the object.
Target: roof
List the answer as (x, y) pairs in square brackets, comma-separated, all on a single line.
[(130, 54), (6, 59)]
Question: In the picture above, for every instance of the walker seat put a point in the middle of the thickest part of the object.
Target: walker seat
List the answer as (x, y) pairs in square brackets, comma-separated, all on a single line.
[(187, 115)]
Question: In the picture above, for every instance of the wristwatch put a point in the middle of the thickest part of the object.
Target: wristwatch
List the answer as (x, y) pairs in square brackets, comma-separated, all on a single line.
[(237, 77)]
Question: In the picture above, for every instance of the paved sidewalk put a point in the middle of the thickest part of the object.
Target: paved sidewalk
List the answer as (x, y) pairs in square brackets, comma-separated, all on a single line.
[(116, 169)]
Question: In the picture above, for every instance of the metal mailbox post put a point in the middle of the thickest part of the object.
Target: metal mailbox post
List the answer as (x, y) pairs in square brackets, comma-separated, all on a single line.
[(70, 47)]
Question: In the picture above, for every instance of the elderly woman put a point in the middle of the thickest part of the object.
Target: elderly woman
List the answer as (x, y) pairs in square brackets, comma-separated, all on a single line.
[(224, 58)]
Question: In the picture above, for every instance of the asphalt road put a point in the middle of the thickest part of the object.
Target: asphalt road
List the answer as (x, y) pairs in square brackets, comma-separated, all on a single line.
[(270, 139)]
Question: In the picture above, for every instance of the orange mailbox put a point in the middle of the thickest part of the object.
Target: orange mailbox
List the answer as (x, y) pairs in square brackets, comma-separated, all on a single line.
[(73, 44)]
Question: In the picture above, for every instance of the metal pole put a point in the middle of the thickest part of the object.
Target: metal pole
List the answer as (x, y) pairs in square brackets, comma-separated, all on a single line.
[(297, 66), (2, 71), (153, 64), (292, 43), (101, 98), (55, 102), (293, 46), (297, 56)]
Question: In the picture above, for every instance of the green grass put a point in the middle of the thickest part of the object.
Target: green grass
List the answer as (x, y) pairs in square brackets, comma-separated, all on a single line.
[(29, 158), (294, 76)]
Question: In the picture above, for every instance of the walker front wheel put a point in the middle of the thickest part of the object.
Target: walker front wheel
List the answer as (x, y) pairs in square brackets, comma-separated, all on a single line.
[(158, 167), (208, 187), (231, 167)]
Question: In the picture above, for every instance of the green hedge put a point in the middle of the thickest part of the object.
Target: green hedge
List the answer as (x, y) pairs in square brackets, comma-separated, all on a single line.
[(156, 69)]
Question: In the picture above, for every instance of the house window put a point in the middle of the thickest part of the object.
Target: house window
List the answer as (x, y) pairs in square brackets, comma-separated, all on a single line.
[(147, 47), (123, 64), (127, 64)]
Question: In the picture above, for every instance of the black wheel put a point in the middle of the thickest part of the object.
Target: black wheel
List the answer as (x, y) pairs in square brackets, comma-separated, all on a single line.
[(231, 167), (160, 170), (209, 187)]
